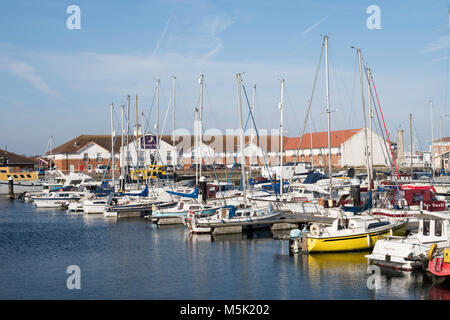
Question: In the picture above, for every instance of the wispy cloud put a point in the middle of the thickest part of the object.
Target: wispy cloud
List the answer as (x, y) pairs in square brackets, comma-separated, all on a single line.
[(216, 26), (27, 73), (161, 38), (315, 25), (440, 44)]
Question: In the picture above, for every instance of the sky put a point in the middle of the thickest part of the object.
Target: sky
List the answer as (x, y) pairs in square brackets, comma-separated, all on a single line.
[(59, 82)]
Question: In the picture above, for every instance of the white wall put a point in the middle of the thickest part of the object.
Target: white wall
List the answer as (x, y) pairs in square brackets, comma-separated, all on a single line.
[(353, 150)]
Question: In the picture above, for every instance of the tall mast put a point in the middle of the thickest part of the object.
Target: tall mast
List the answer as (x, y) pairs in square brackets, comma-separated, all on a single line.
[(411, 143), (128, 131), (254, 120), (241, 125), (112, 145), (138, 147), (311, 140), (371, 120), (281, 135), (432, 139), (175, 155), (369, 175), (145, 153), (200, 81), (328, 115), (122, 107), (196, 145)]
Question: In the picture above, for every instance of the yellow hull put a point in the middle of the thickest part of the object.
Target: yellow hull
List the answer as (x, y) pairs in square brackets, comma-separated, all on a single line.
[(351, 242)]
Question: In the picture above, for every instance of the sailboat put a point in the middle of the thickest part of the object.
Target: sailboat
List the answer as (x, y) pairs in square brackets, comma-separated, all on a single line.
[(245, 212)]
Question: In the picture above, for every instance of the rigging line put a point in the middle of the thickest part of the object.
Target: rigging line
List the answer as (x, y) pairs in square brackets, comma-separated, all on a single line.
[(379, 106), (333, 63), (417, 136), (257, 139), (309, 103)]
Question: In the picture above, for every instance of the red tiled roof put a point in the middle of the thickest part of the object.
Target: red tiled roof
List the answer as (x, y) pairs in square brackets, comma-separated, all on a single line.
[(14, 158), (320, 139)]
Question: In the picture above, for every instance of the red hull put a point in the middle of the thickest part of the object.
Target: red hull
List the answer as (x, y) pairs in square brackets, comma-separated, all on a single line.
[(438, 267)]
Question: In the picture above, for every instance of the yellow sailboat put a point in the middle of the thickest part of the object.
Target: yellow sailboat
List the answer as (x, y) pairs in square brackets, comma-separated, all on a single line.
[(352, 234)]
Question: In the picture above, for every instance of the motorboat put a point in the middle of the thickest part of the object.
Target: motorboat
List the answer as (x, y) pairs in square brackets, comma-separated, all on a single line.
[(439, 262), (410, 253), (59, 199), (231, 214), (23, 181)]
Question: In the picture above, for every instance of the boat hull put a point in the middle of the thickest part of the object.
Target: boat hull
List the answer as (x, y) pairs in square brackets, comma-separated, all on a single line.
[(357, 242)]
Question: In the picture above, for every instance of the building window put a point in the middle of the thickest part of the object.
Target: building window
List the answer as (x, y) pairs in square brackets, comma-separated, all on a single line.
[(85, 157), (169, 156), (99, 157), (141, 155), (129, 156)]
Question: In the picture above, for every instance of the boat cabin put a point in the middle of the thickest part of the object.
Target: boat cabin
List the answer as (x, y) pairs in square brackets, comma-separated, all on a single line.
[(417, 196), (434, 229)]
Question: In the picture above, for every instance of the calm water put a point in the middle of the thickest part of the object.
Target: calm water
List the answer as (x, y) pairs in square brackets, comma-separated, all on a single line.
[(133, 259)]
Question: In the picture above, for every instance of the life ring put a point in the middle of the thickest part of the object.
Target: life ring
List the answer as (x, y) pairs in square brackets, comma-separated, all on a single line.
[(431, 251), (314, 229), (320, 202)]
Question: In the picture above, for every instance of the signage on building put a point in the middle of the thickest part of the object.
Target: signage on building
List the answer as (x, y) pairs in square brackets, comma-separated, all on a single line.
[(148, 142)]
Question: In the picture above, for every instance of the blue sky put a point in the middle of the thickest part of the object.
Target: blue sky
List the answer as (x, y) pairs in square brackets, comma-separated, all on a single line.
[(60, 82)]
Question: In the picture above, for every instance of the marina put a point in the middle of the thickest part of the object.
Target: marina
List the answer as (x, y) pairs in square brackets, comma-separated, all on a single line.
[(232, 150), (126, 259)]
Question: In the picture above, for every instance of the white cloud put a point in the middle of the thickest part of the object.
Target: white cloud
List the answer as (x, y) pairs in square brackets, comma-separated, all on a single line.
[(27, 73), (440, 44)]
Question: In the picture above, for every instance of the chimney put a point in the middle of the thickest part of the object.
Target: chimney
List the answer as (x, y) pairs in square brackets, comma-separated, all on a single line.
[(400, 147)]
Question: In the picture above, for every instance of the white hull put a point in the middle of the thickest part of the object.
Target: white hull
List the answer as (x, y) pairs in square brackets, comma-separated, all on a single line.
[(20, 187)]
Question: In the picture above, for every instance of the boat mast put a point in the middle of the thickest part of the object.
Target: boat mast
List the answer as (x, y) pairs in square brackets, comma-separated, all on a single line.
[(112, 144), (281, 134), (128, 133), (328, 115), (200, 81), (432, 139), (371, 120), (138, 147), (254, 119), (175, 155), (196, 146), (122, 107), (241, 125), (311, 140), (411, 143), (363, 104), (157, 118)]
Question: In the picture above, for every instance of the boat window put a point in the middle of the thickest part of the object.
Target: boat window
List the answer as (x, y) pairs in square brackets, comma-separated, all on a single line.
[(3, 171), (22, 176), (28, 176), (75, 182), (377, 224), (238, 214), (307, 192), (438, 227), (16, 176), (426, 227), (247, 214)]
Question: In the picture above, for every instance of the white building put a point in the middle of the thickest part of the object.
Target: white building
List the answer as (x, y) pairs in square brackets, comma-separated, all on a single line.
[(353, 154)]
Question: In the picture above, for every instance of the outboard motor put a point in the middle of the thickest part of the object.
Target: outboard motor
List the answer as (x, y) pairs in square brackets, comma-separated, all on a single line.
[(203, 188), (355, 192)]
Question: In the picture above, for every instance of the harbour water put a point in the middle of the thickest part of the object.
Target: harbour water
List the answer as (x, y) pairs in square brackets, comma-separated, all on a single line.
[(134, 259)]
